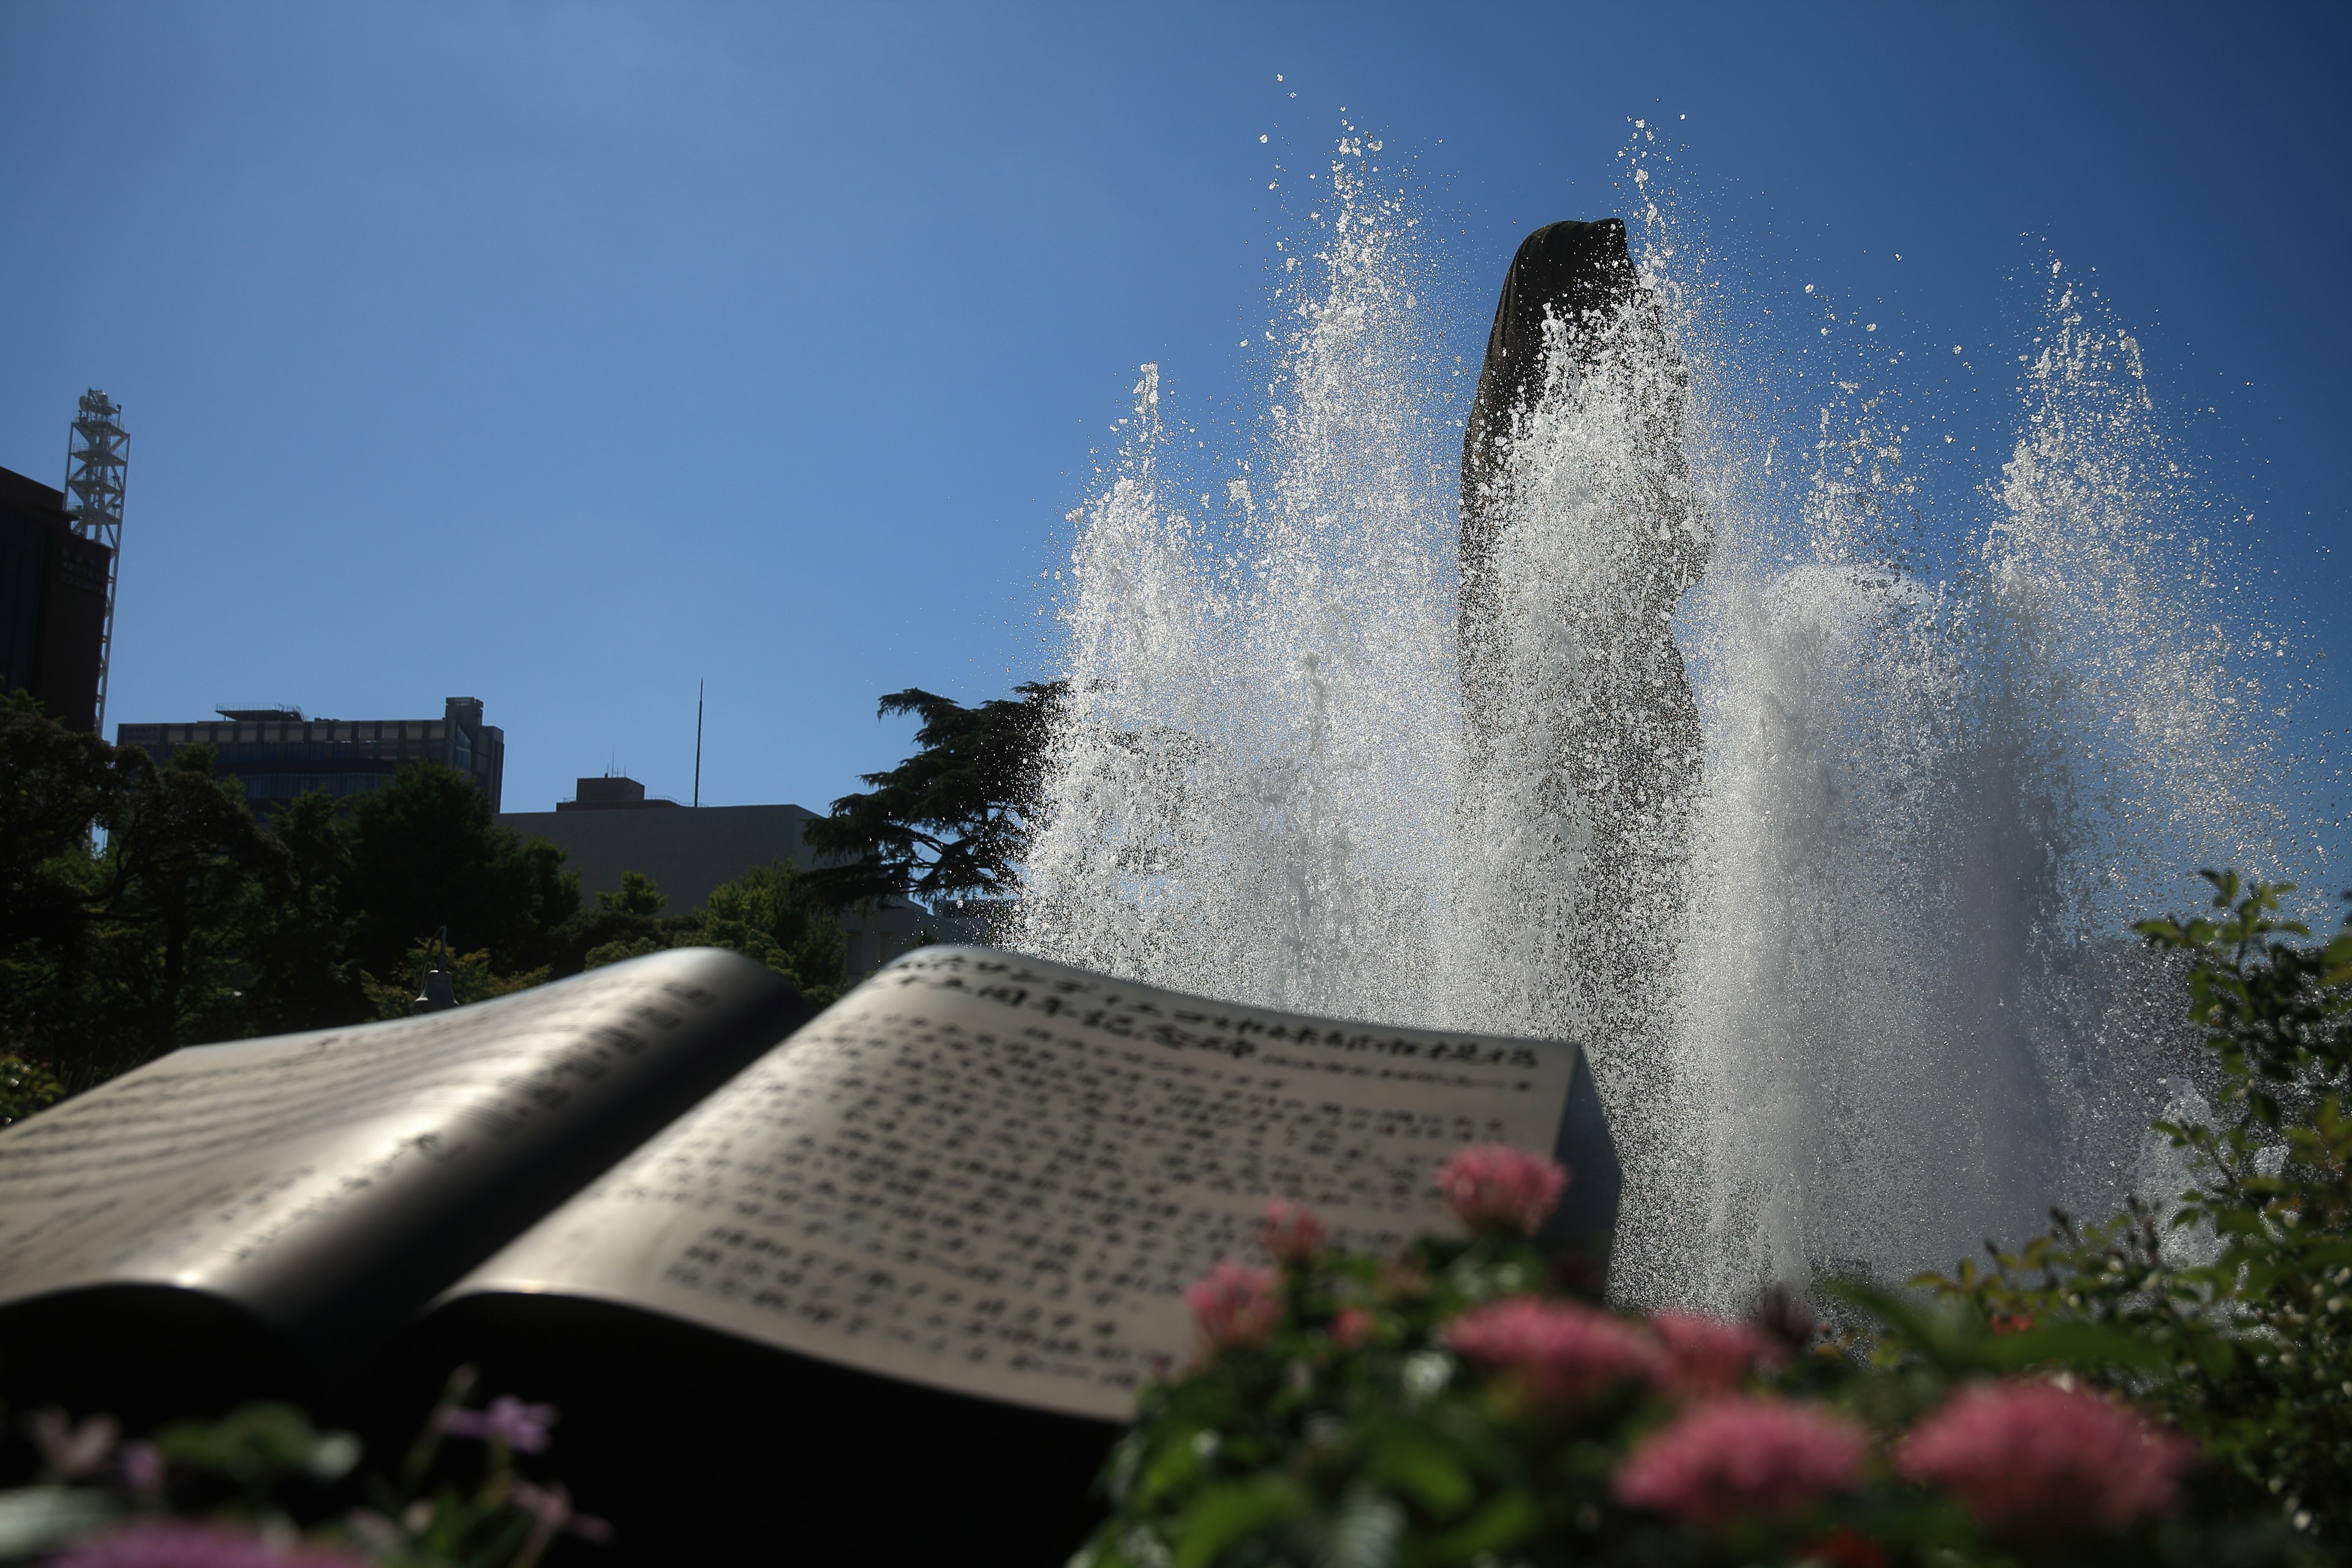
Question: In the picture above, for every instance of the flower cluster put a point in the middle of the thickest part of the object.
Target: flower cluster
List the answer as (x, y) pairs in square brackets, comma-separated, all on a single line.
[(1290, 1232), (1234, 1306), (522, 1427), (1562, 1353), (2034, 1454), (1732, 1458), (1449, 1391), (1493, 1186), (1699, 1356)]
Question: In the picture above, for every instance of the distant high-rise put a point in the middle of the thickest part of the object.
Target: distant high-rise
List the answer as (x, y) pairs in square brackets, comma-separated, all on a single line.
[(53, 587), (97, 464), (276, 754)]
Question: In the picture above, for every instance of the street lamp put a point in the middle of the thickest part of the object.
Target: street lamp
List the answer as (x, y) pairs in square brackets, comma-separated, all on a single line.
[(438, 993)]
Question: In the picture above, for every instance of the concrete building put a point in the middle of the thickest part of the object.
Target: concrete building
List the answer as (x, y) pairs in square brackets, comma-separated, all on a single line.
[(276, 754), (52, 603), (609, 826)]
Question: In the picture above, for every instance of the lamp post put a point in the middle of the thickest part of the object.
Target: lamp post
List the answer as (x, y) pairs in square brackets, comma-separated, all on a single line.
[(439, 992)]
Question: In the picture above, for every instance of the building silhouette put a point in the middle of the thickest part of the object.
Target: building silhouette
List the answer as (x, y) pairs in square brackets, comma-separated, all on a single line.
[(52, 603), (276, 754), (609, 828)]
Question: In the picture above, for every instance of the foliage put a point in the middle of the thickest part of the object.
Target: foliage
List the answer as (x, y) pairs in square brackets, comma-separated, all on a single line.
[(55, 784), (951, 820), (471, 976), (25, 1087), (191, 922), (769, 913), (427, 851), (1451, 1405), (143, 908), (2251, 1349), (111, 955), (302, 974), (263, 1486)]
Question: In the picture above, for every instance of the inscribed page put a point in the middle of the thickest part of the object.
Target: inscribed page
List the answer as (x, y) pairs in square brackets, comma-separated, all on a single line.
[(994, 1176), (281, 1173)]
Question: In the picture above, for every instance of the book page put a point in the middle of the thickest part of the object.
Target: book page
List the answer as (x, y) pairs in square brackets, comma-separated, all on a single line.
[(268, 1171), (995, 1175)]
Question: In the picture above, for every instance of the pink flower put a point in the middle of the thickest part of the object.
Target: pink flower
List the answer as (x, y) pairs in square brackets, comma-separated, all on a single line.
[(1705, 1355), (1735, 1458), (1234, 1305), (522, 1427), (2034, 1453), (1290, 1232), (550, 1510), (142, 1467), (1564, 1353), (1351, 1327), (1493, 1186), (191, 1543)]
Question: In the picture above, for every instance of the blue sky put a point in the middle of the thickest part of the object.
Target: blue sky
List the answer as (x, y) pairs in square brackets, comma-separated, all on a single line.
[(564, 356)]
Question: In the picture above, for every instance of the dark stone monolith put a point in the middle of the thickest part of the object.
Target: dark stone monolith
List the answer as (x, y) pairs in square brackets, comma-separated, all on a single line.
[(1584, 738)]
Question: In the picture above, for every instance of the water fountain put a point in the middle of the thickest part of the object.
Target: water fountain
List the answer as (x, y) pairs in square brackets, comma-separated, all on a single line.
[(1852, 982)]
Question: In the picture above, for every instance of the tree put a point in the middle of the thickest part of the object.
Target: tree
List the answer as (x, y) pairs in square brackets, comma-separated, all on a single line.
[(952, 820), (54, 785), (195, 922), (170, 904), (768, 913), (427, 851), (303, 976), (471, 980)]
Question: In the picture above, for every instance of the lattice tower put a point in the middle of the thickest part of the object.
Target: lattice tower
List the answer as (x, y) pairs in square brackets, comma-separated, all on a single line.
[(96, 468)]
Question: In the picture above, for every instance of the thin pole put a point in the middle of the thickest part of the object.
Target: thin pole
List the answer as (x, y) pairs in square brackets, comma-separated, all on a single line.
[(698, 743)]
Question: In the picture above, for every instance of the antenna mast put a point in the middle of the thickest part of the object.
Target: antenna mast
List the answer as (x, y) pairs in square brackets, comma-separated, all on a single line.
[(96, 467), (698, 743)]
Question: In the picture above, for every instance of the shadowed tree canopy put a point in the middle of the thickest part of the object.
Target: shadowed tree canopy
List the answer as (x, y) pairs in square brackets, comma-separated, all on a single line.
[(952, 820), (110, 956), (427, 851), (54, 785)]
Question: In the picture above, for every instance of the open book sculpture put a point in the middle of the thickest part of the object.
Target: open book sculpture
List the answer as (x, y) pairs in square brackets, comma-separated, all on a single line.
[(878, 1283)]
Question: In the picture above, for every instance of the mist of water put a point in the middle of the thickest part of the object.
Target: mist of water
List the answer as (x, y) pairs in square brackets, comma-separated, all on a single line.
[(1858, 993)]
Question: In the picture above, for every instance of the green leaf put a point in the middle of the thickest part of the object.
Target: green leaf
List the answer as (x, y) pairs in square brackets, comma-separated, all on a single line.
[(2076, 1344), (1232, 1514), (2216, 1355), (1420, 1470), (1174, 1460), (1506, 1521)]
